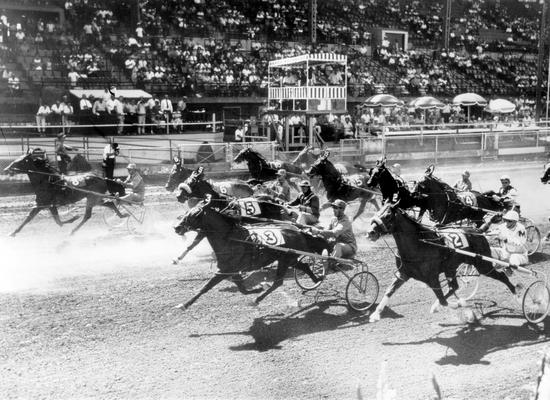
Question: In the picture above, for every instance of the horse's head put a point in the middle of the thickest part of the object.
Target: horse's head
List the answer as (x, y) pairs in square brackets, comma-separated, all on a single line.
[(383, 222), (246, 155), (546, 176), (192, 219), (323, 167), (33, 160), (195, 186), (178, 174), (376, 173)]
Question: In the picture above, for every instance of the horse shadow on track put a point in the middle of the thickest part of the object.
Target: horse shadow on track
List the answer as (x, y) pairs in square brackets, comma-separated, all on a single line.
[(469, 344), (268, 332)]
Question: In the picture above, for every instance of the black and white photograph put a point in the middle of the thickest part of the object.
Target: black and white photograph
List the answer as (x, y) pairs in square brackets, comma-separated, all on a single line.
[(275, 199)]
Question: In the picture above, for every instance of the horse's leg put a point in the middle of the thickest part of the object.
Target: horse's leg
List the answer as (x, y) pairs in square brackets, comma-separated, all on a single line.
[(500, 276), (282, 267), (396, 284), (87, 216), (58, 221), (209, 285), (239, 281), (307, 270), (441, 299), (112, 206), (35, 210), (374, 201), (361, 208)]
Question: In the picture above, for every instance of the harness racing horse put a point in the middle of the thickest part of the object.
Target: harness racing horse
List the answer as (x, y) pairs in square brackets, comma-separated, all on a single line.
[(546, 175), (262, 170), (445, 204), (53, 190), (393, 190), (344, 188), (238, 248), (264, 206), (423, 261), (179, 174), (306, 158)]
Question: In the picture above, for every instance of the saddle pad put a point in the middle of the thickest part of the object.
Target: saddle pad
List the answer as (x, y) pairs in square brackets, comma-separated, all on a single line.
[(467, 198), (454, 238), (355, 180), (76, 180), (270, 236), (249, 206)]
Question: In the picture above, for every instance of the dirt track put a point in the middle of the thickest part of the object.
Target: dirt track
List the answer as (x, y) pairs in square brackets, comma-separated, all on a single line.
[(91, 316)]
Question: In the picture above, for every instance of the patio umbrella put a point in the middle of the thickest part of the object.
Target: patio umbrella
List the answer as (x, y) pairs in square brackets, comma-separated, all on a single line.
[(468, 100), (426, 103), (382, 100), (500, 106)]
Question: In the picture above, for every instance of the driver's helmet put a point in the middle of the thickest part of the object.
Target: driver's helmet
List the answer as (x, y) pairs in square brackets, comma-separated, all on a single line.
[(511, 216)]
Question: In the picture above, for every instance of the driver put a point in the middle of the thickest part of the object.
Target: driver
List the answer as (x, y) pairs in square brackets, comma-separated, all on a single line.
[(308, 205), (463, 184), (340, 230), (507, 194), (135, 182), (280, 188), (513, 239)]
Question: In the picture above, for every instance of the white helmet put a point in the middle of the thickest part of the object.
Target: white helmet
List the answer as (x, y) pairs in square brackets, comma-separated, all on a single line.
[(505, 178), (511, 216)]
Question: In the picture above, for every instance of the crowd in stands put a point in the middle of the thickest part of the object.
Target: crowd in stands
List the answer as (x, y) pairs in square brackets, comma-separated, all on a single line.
[(159, 54)]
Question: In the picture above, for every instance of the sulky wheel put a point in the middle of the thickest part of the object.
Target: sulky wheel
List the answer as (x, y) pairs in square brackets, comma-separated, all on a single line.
[(135, 218), (362, 291), (467, 278), (533, 239), (536, 302), (112, 220), (316, 265)]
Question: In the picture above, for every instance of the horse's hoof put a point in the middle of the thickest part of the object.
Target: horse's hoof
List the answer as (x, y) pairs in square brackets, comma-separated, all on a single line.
[(181, 307), (462, 302), (375, 317), (11, 235), (436, 307), (175, 261)]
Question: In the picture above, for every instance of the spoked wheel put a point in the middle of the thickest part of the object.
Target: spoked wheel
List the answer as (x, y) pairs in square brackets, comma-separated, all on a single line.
[(316, 265), (112, 220), (136, 216), (467, 277), (536, 302), (362, 291), (533, 239)]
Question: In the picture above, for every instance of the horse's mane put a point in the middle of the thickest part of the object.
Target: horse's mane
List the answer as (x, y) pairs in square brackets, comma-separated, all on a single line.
[(442, 185)]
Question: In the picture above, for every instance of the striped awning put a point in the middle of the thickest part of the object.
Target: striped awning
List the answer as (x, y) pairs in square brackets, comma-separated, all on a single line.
[(318, 57)]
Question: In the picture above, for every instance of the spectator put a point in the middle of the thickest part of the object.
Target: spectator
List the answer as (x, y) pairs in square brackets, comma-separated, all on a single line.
[(141, 111), (41, 115), (67, 112), (166, 108)]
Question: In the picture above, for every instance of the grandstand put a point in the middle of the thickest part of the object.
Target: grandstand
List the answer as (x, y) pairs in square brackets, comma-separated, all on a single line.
[(213, 53)]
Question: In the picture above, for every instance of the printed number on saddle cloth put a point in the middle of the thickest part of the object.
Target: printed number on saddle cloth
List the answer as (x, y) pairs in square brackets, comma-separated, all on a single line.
[(269, 236), (222, 188), (454, 238), (354, 180), (76, 181), (468, 198), (277, 164), (249, 206)]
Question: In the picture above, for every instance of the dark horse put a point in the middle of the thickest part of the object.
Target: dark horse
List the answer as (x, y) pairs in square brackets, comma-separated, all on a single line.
[(546, 174), (393, 190), (179, 174), (262, 170), (238, 248), (306, 157), (53, 190), (344, 188), (262, 206), (423, 261), (445, 204)]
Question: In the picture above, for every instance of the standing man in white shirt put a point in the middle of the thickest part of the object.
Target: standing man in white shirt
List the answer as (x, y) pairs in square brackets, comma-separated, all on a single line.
[(41, 114), (166, 108)]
